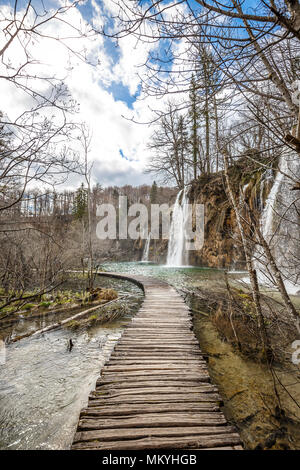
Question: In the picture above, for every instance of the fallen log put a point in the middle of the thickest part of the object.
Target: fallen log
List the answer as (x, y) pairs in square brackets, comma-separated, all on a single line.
[(64, 322)]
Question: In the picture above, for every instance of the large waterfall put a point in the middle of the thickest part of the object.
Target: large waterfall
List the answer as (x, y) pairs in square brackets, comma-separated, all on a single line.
[(145, 257), (280, 225), (177, 253)]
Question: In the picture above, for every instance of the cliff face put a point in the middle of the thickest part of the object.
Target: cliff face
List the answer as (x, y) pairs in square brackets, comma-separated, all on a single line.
[(222, 245)]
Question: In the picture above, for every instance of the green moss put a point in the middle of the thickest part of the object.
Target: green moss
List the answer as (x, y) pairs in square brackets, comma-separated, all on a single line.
[(28, 306), (45, 304)]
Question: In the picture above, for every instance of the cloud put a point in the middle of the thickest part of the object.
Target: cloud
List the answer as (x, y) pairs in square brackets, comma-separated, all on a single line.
[(90, 84), (120, 176)]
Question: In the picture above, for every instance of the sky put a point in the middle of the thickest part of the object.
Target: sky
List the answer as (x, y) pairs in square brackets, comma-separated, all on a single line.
[(108, 90), (107, 87)]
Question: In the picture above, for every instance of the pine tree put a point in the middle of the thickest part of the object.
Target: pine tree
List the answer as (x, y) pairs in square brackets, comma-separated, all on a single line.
[(80, 203), (153, 193), (183, 146), (204, 92), (194, 116)]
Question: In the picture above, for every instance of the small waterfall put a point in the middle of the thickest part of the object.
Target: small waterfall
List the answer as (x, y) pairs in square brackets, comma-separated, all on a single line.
[(145, 257), (177, 254), (268, 213), (266, 177), (280, 225)]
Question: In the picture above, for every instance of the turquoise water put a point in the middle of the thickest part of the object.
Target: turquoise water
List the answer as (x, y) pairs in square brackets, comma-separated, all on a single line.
[(176, 276)]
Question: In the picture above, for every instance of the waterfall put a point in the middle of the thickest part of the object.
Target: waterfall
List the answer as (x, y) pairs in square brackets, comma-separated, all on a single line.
[(177, 254), (265, 178), (269, 212), (145, 256), (280, 226)]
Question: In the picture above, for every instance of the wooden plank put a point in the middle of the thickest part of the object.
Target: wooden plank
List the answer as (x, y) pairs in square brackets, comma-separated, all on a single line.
[(153, 383), (132, 362), (139, 351), (182, 442), (158, 341), (156, 357), (166, 333), (159, 375), (154, 392), (152, 367), (177, 310), (187, 355), (135, 399), (223, 448), (170, 313), (163, 347), (165, 322), (141, 433), (110, 391), (183, 326), (111, 379), (193, 351), (160, 336), (163, 375), (146, 408), (153, 420)]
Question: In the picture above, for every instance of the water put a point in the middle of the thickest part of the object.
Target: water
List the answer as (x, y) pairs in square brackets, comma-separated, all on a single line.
[(269, 212), (280, 225), (266, 177), (177, 253), (177, 276), (43, 386), (145, 257)]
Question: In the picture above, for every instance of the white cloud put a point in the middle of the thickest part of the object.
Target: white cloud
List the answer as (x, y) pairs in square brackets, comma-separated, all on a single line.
[(98, 107)]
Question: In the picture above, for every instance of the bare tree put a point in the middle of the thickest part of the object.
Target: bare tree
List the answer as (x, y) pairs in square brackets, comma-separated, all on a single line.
[(85, 140), (169, 144), (35, 147)]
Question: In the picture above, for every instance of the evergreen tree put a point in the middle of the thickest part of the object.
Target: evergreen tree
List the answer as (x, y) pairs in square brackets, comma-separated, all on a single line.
[(183, 141), (80, 203), (194, 117), (153, 193), (204, 107)]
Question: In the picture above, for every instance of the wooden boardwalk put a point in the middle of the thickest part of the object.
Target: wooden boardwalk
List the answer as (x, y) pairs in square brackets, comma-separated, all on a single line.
[(155, 390)]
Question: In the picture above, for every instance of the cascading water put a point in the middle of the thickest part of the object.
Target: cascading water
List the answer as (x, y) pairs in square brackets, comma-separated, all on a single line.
[(280, 226), (266, 179), (177, 254), (145, 257)]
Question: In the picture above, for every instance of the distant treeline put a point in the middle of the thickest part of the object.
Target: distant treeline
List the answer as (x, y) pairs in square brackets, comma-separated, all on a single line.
[(37, 203)]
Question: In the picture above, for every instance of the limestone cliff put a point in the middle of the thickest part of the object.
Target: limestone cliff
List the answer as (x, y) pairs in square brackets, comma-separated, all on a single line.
[(222, 247)]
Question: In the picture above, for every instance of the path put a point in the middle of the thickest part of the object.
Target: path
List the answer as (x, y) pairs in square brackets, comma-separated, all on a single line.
[(155, 390)]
